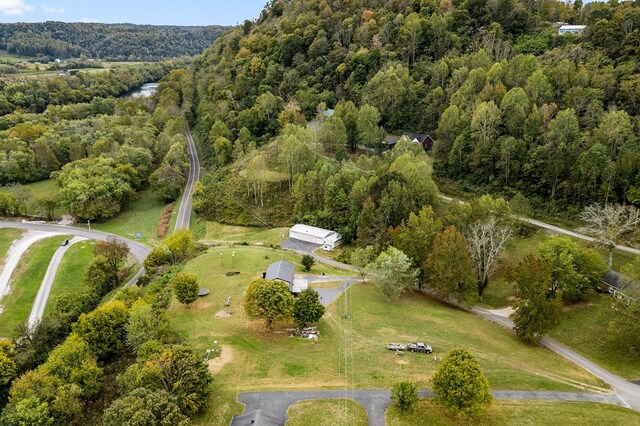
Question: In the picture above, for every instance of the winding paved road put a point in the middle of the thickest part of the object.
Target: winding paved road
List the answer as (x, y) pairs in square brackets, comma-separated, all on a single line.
[(184, 211), (45, 288), (376, 401), (139, 250)]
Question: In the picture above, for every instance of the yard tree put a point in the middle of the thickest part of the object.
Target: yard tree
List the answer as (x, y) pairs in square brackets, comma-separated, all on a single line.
[(486, 240), (185, 287), (393, 273), (332, 135), (115, 251), (405, 395), (269, 300), (536, 310), (307, 308), (307, 262), (104, 329), (144, 407), (624, 327), (181, 245), (360, 258), (574, 269), (609, 224), (178, 370), (416, 234), (145, 324), (460, 386), (449, 269), (367, 123)]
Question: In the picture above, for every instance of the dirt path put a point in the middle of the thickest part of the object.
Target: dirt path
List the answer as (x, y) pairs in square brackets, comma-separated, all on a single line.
[(226, 356)]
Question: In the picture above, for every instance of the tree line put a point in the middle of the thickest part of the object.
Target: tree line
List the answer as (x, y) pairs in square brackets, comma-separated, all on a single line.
[(113, 42)]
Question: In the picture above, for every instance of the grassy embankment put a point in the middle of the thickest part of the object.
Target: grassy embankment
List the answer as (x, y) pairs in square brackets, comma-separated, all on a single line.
[(225, 234), (70, 276), (25, 283), (518, 412), (261, 360), (327, 412), (7, 237)]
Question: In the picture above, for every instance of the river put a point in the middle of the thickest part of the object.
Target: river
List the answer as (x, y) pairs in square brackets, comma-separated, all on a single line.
[(144, 91)]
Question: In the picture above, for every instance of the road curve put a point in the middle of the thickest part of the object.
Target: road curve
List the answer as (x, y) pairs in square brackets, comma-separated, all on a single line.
[(184, 211), (138, 250), (47, 282), (554, 228), (628, 392), (376, 401)]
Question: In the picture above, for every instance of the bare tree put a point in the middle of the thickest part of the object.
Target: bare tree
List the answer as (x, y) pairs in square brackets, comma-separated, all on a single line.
[(486, 241), (608, 224)]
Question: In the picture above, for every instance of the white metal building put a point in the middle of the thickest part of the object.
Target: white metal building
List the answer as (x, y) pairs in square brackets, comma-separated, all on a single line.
[(571, 29), (323, 237)]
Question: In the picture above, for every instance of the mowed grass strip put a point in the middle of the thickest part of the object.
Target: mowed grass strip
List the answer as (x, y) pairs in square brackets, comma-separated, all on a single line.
[(218, 232), (327, 412), (71, 273), (25, 284), (584, 327), (272, 360), (7, 237), (140, 216), (518, 412)]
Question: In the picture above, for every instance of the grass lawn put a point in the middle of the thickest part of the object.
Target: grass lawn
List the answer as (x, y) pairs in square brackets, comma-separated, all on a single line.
[(25, 284), (258, 359), (220, 233), (7, 237), (327, 412), (70, 276), (584, 328), (43, 187), (519, 412), (141, 215)]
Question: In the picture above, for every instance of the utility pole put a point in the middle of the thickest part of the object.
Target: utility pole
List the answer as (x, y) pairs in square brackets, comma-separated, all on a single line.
[(89, 224)]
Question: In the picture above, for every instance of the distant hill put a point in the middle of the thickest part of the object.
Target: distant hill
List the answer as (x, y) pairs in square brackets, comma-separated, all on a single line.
[(114, 42)]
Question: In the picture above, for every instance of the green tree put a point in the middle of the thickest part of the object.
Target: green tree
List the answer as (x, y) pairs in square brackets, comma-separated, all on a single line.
[(167, 182), (268, 300), (307, 262), (29, 411), (536, 310), (405, 395), (574, 270), (415, 235), (460, 386), (361, 257), (307, 308), (393, 273), (145, 324), (185, 287), (144, 407), (623, 327), (448, 268), (332, 134), (47, 204), (104, 329), (115, 251), (369, 133)]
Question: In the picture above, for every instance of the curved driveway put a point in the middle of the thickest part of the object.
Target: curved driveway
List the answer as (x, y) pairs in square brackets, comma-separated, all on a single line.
[(376, 401)]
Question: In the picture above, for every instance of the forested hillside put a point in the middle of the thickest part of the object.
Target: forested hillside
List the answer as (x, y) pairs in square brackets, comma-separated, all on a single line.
[(514, 107), (116, 42)]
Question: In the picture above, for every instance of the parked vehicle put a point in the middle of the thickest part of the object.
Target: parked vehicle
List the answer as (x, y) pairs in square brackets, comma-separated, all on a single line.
[(419, 347), (395, 347)]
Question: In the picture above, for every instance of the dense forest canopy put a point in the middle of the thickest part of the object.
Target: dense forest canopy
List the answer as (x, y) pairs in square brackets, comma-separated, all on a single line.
[(116, 42), (514, 106)]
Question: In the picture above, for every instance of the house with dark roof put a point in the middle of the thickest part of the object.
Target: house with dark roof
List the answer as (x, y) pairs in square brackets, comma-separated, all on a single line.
[(285, 272), (421, 139)]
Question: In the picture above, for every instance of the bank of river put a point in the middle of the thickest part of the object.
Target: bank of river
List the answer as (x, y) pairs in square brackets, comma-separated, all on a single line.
[(144, 91)]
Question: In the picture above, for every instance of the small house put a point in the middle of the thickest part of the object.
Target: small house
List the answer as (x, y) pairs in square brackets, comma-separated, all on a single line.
[(421, 139), (285, 272)]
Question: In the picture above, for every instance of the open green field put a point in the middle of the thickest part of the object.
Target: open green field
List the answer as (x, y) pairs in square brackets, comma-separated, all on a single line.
[(584, 328), (255, 359), (70, 276), (220, 233), (327, 412), (141, 215), (7, 237), (25, 284), (43, 187), (518, 412)]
